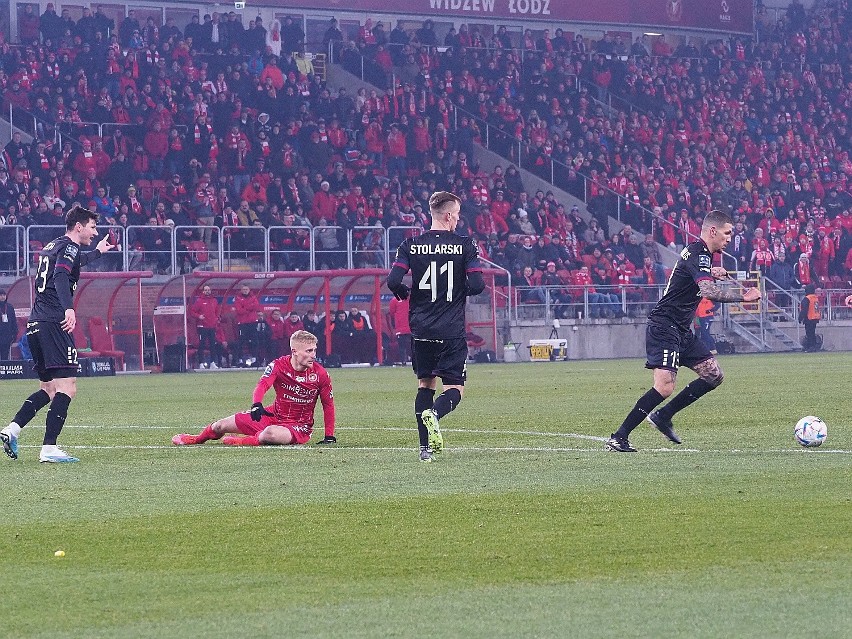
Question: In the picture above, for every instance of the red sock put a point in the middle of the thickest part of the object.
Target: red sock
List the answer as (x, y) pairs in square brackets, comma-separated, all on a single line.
[(249, 440), (207, 434)]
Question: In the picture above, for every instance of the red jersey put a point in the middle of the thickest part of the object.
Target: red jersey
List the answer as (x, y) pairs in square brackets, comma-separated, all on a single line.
[(296, 394)]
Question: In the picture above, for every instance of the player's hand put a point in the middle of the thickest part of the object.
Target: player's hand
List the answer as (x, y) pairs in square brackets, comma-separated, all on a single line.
[(328, 439), (258, 411), (103, 246), (719, 272), (402, 292), (70, 321), (751, 294)]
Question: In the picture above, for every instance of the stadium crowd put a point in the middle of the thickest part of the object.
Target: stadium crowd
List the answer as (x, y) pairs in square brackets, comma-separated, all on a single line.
[(760, 127), (222, 125)]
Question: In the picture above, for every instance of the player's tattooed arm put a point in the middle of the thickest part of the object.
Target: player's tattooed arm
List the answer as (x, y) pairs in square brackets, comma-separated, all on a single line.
[(713, 291)]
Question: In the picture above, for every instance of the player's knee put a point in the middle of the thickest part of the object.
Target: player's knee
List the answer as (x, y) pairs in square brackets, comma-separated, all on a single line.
[(455, 395), (666, 391), (664, 388), (275, 436), (714, 378)]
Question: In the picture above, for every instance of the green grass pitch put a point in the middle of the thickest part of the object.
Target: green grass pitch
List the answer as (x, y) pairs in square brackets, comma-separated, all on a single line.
[(524, 527)]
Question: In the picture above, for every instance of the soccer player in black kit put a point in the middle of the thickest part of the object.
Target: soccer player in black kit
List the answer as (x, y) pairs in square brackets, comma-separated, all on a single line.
[(445, 270), (49, 329), (669, 343)]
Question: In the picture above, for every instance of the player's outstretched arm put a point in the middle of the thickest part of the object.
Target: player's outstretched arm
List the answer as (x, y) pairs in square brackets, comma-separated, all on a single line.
[(103, 246), (712, 291)]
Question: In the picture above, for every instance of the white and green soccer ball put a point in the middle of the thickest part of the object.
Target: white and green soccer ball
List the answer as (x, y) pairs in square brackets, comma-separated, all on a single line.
[(810, 431)]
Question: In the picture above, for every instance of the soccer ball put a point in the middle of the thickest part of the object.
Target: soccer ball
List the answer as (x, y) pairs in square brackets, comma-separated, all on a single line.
[(810, 431)]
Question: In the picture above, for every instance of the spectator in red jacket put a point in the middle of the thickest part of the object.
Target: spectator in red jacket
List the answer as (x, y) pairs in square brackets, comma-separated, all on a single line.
[(324, 205), (278, 335), (397, 151), (205, 311), (246, 307), (398, 313), (156, 147), (294, 323), (85, 160)]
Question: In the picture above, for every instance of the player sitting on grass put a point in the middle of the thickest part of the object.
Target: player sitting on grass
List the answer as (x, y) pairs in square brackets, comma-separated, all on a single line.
[(298, 381)]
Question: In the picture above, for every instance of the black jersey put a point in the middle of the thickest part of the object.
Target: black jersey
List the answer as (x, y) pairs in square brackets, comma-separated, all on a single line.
[(60, 254), (681, 296), (439, 262)]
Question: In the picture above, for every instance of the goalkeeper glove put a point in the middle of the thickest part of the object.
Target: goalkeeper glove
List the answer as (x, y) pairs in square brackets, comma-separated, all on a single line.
[(328, 439), (257, 411), (402, 292)]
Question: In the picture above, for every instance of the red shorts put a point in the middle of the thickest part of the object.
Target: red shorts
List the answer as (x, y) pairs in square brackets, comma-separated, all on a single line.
[(247, 426)]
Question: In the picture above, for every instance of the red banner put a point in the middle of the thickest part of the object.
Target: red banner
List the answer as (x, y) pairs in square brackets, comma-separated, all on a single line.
[(717, 15)]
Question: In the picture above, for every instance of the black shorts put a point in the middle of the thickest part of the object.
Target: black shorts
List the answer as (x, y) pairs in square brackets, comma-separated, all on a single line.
[(445, 358), (54, 354), (669, 348)]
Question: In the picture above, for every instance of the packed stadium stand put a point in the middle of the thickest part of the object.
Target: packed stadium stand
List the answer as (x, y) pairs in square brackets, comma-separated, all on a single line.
[(222, 147)]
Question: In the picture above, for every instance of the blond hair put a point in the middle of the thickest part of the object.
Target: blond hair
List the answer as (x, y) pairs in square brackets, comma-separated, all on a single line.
[(439, 199), (302, 337)]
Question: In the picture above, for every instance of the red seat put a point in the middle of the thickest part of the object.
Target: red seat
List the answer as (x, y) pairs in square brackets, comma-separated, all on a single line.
[(82, 344), (198, 250), (102, 341), (146, 192)]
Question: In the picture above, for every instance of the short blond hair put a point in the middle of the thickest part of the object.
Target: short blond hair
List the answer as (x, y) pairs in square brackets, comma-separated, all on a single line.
[(302, 337), (440, 199)]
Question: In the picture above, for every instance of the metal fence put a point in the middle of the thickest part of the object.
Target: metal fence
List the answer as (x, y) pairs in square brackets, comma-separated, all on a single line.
[(596, 302), (173, 250)]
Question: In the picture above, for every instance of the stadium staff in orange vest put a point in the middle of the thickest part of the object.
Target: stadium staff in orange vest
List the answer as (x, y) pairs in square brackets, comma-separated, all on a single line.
[(705, 314), (809, 314)]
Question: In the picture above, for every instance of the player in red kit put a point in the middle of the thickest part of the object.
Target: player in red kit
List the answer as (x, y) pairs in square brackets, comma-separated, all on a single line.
[(298, 381)]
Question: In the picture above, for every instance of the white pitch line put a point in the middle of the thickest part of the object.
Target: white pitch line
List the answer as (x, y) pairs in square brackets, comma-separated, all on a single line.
[(488, 432), (389, 429), (517, 449)]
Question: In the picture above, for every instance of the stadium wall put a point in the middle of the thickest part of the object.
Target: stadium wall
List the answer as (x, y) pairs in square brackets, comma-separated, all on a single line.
[(602, 339)]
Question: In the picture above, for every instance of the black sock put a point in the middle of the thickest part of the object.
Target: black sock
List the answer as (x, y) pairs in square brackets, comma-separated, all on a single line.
[(32, 404), (447, 402), (56, 418), (422, 401), (693, 391), (648, 402)]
